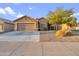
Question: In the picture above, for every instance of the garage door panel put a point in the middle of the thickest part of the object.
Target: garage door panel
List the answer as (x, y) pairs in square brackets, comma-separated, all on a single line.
[(25, 26), (30, 26), (21, 26)]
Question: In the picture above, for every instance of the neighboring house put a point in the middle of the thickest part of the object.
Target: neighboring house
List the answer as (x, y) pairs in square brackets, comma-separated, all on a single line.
[(42, 24), (26, 23), (6, 25)]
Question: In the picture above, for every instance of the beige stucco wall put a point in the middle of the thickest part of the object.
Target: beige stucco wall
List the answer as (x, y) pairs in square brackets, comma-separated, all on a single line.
[(1, 26)]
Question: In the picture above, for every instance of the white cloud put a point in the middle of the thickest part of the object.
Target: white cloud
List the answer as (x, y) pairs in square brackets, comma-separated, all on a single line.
[(9, 10), (75, 14), (19, 15), (2, 11), (30, 8)]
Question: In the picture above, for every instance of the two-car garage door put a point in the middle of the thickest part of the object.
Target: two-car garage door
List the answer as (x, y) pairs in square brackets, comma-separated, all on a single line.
[(25, 26)]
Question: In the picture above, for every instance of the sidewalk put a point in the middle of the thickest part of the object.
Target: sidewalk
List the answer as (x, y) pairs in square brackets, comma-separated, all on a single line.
[(39, 48)]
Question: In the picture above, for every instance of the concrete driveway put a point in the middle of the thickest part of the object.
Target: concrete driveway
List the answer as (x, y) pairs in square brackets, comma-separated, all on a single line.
[(19, 36), (18, 33)]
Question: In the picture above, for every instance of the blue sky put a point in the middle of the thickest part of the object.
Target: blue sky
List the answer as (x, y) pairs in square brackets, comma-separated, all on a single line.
[(15, 10)]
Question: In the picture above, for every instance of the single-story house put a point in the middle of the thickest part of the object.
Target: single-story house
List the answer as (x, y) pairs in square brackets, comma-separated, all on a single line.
[(42, 24), (25, 23), (6, 25)]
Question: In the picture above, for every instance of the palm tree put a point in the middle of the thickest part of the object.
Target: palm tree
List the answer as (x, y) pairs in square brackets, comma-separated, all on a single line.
[(61, 16)]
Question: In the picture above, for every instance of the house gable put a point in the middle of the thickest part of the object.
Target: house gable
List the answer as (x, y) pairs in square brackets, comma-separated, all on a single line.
[(25, 19)]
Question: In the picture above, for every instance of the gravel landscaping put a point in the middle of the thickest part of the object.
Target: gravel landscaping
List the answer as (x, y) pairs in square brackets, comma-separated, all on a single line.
[(50, 36)]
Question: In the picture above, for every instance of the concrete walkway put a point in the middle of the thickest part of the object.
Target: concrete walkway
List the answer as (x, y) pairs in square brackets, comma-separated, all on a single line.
[(9, 48)]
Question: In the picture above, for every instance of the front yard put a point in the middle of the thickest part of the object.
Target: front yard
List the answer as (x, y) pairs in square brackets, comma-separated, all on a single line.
[(50, 37)]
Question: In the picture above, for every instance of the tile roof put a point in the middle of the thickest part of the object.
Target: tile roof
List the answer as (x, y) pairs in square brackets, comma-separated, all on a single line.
[(5, 20)]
